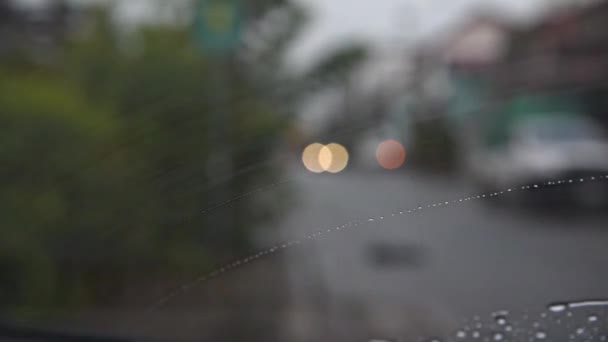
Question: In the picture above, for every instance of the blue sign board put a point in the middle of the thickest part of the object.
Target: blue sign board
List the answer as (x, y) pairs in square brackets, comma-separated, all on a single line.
[(218, 24)]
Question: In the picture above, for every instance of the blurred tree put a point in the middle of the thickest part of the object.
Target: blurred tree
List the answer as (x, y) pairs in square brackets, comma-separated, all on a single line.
[(106, 158)]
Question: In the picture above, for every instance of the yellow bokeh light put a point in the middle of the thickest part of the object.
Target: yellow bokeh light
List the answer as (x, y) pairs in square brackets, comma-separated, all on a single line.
[(319, 158), (339, 159), (310, 158), (325, 158)]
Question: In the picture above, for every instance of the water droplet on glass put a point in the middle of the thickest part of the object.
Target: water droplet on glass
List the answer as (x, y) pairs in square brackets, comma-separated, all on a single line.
[(370, 220), (475, 334), (461, 334), (580, 331), (559, 307), (541, 335), (508, 328), (498, 336), (592, 318), (501, 320)]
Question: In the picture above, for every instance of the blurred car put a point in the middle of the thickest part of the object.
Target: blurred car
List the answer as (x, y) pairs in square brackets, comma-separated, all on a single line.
[(547, 148)]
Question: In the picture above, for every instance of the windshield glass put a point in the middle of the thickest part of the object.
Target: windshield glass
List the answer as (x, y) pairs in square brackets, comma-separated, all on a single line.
[(302, 170)]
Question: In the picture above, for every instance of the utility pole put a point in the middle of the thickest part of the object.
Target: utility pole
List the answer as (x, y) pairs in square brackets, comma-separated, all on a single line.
[(217, 29)]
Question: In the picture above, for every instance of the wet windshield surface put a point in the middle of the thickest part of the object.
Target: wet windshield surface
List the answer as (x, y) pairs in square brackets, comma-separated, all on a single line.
[(301, 171)]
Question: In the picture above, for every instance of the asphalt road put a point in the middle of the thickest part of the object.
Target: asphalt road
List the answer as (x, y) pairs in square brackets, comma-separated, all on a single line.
[(424, 273), (389, 274)]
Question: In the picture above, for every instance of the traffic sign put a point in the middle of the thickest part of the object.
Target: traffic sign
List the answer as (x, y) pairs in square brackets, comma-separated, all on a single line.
[(218, 24)]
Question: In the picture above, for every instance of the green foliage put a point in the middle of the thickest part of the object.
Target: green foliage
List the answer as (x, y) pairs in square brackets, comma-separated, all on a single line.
[(105, 163), (339, 63)]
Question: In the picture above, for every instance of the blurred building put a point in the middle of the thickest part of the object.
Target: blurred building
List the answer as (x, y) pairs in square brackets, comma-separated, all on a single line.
[(35, 30), (565, 52), (494, 69)]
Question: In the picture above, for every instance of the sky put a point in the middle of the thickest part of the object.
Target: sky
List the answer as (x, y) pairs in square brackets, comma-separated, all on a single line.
[(377, 21), (386, 21)]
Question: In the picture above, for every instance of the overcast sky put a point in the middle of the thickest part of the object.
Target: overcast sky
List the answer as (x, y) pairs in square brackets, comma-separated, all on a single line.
[(377, 21), (384, 21)]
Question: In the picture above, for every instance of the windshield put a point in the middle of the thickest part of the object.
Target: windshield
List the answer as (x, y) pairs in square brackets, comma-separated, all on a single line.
[(301, 170)]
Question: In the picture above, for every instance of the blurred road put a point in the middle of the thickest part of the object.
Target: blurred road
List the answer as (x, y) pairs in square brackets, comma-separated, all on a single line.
[(398, 277), (423, 273)]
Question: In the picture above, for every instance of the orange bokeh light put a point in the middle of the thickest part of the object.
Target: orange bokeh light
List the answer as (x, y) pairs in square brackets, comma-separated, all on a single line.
[(390, 154)]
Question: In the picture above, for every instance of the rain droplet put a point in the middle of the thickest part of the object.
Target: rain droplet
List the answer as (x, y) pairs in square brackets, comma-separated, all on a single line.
[(592, 318), (558, 307), (370, 220), (475, 334), (461, 334), (580, 331), (541, 335), (501, 320), (498, 336)]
